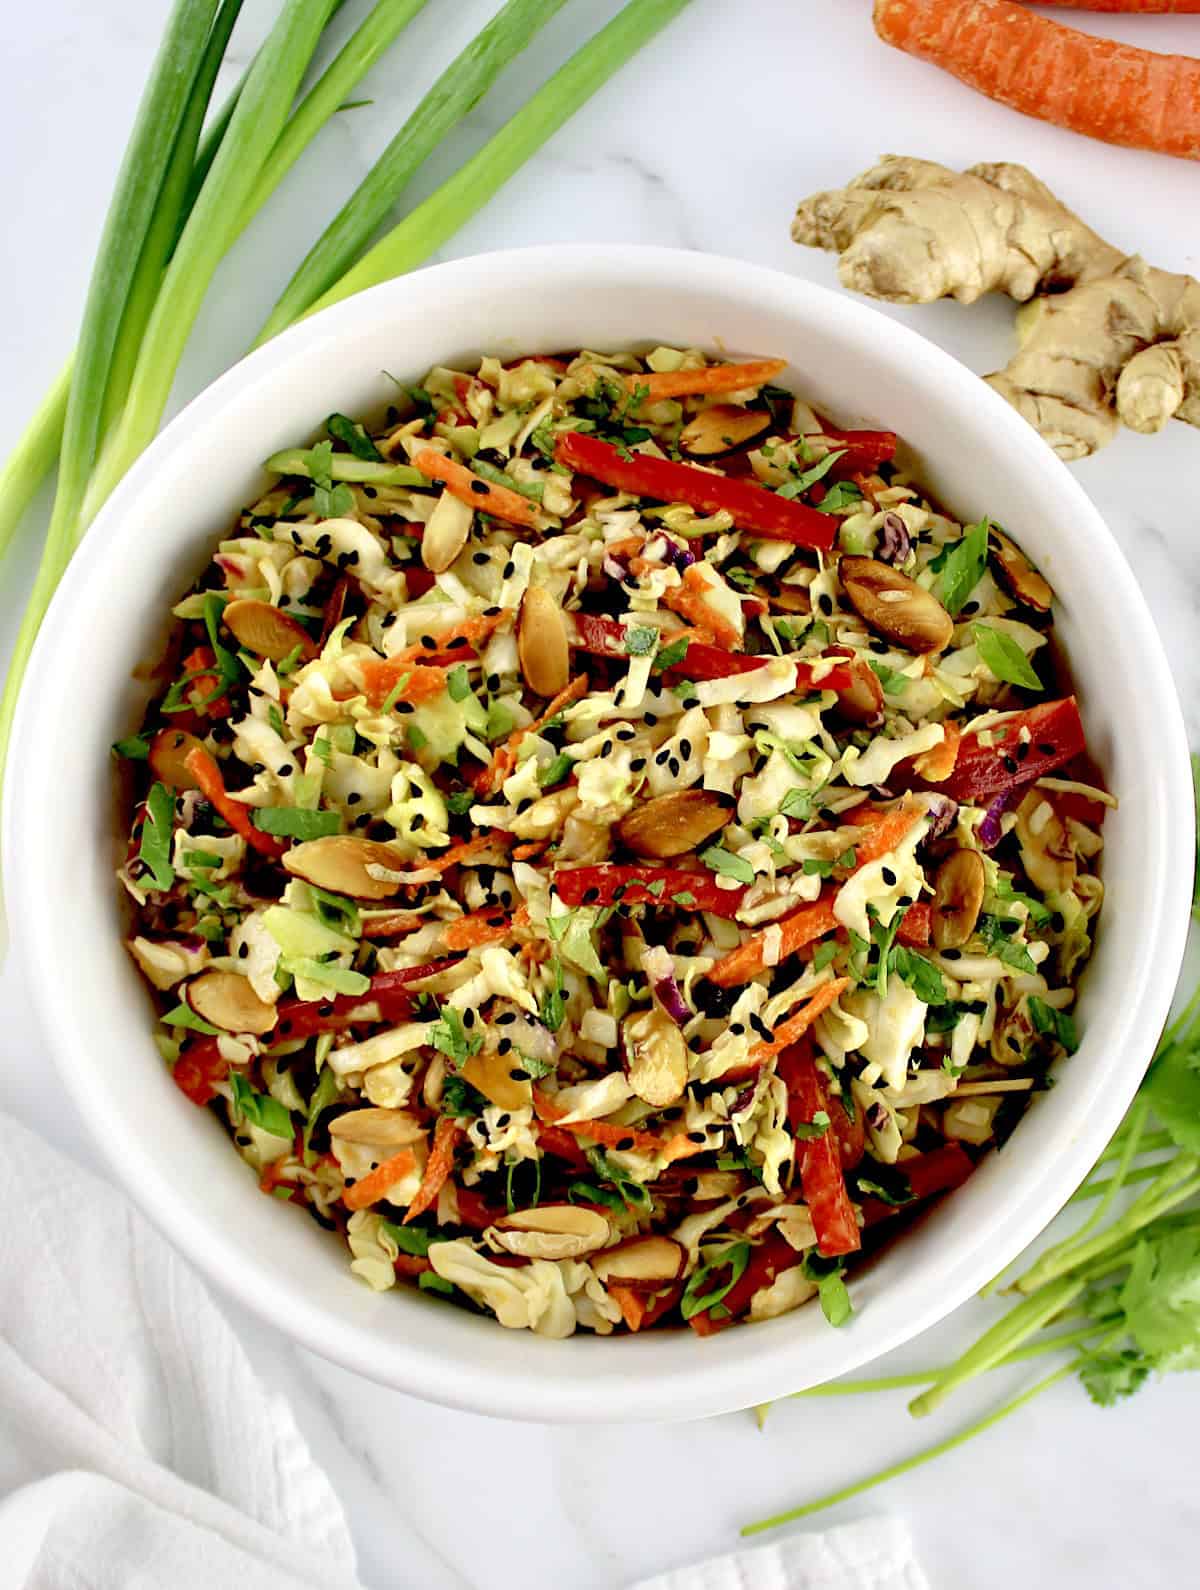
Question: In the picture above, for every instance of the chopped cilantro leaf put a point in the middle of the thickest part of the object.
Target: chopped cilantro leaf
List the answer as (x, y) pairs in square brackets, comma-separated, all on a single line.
[(842, 494), (800, 483), (352, 437), (135, 749), (671, 656), (458, 683), (963, 566), (292, 822), (1004, 658), (154, 851), (921, 975), (555, 771), (1052, 1023), (449, 1037), (726, 863), (259, 1109), (184, 1016)]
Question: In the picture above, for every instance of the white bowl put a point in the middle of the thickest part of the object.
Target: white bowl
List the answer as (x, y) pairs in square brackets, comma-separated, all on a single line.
[(155, 535)]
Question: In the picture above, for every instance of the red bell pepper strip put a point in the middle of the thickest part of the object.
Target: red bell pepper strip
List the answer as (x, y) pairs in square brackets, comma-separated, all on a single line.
[(862, 451), (774, 1255), (752, 507), (939, 1170), (389, 991), (819, 1158), (609, 884), (200, 1066), (604, 637), (1015, 757)]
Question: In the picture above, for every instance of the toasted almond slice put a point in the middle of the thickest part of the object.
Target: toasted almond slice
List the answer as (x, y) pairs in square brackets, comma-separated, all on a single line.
[(169, 750), (492, 1074), (1017, 575), (656, 1058), (792, 599), (377, 1127), (720, 428), (266, 631), (645, 1263), (542, 643), (339, 863), (863, 702), (894, 606), (552, 1231), (957, 898), (227, 1000), (446, 532), (672, 824)]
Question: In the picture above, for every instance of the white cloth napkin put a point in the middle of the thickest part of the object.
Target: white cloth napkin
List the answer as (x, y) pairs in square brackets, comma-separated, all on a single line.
[(876, 1554), (139, 1450)]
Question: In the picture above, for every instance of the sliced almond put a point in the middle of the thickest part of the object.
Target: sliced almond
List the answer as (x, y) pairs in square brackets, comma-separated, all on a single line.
[(339, 863), (266, 631), (226, 1000), (656, 1058), (446, 533), (894, 606), (644, 1264), (863, 701), (1047, 849), (957, 898), (492, 1074), (720, 428), (1017, 575), (542, 642), (552, 1231), (169, 751), (670, 825), (377, 1128)]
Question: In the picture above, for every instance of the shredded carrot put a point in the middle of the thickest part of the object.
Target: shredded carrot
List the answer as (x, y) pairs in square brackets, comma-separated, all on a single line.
[(462, 852), (393, 926), (938, 762), (631, 1304), (794, 1028), (205, 683), (472, 630), (382, 676), (712, 378), (882, 830), (446, 1136), (1095, 86), (604, 1132), (805, 926), (688, 600), (211, 785), (528, 851), (499, 501), (484, 927), (372, 1187), (504, 762), (1133, 7)]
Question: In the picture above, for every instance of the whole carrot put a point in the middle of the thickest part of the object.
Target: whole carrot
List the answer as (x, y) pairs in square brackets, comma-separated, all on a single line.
[(1098, 87), (1133, 7)]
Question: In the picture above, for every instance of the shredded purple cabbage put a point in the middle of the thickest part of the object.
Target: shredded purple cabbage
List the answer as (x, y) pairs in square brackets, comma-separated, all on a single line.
[(669, 996), (990, 831), (894, 541)]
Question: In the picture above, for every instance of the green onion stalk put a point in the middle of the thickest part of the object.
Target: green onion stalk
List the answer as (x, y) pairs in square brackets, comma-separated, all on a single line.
[(250, 147)]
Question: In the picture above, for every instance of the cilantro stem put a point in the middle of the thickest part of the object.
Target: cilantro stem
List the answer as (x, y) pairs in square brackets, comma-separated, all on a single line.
[(464, 82), (1151, 1143), (1098, 1189), (1057, 1258), (433, 222), (906, 1465), (1175, 1182), (1008, 1333), (923, 1377)]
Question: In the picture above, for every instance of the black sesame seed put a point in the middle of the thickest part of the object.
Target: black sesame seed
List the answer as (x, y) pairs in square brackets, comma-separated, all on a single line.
[(492, 612), (606, 748), (480, 558), (1046, 748), (404, 708), (505, 1018), (673, 766), (468, 1018), (697, 1137), (626, 734), (651, 719), (504, 1045), (502, 1121), (624, 1144), (825, 603), (524, 804), (638, 764), (508, 571), (1022, 751), (243, 951), (428, 642), (968, 608), (952, 955), (493, 682), (888, 876), (737, 1028), (685, 750), (662, 759), (353, 798), (480, 488), (284, 772)]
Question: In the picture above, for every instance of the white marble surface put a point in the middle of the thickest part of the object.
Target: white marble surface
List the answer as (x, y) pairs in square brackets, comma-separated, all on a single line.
[(706, 142)]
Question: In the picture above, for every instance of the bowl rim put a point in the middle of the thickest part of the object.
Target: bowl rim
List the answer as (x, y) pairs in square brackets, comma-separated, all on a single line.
[(627, 1394)]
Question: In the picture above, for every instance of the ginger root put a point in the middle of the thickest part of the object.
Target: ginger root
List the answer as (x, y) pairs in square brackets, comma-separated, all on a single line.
[(1104, 337)]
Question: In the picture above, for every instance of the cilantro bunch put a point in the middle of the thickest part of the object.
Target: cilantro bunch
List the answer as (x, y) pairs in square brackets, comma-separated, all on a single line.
[(1116, 1301)]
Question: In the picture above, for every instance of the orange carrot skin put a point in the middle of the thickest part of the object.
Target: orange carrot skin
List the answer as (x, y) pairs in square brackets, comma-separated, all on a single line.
[(446, 1136), (372, 1187), (1094, 86), (207, 773), (499, 501), (1133, 7), (713, 378), (794, 1028)]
